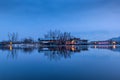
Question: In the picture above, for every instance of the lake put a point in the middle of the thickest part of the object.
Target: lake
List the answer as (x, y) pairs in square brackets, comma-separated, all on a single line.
[(61, 63)]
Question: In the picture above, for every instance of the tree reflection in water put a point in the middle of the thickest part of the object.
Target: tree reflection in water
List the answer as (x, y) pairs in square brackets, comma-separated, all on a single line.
[(12, 53), (56, 53), (52, 52)]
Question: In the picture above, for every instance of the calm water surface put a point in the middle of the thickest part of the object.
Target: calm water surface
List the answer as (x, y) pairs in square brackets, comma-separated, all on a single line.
[(93, 62)]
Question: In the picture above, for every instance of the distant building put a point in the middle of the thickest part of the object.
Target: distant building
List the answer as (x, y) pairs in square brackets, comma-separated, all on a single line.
[(76, 41), (48, 42), (108, 42)]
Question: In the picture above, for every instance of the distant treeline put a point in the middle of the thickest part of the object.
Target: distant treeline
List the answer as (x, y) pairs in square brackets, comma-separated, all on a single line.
[(50, 35)]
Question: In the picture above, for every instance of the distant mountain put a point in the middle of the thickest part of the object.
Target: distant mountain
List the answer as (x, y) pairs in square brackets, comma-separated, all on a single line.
[(115, 39)]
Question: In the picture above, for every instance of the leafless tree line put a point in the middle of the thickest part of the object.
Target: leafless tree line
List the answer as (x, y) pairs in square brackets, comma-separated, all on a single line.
[(51, 35), (58, 35), (13, 37)]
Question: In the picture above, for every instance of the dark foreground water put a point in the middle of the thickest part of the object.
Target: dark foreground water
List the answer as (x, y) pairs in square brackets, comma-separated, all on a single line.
[(64, 63)]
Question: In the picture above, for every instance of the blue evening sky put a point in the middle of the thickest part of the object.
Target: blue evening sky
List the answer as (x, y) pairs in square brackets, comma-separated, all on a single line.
[(89, 19)]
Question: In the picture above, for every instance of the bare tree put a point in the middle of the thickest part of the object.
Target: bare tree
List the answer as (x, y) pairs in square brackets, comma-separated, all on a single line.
[(52, 34), (13, 37), (60, 36)]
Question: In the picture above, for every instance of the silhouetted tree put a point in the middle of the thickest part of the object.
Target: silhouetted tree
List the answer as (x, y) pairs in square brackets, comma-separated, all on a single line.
[(13, 37), (58, 35), (28, 40), (52, 34)]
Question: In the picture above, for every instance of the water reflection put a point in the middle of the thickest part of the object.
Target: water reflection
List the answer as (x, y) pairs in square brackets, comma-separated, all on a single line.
[(108, 47), (55, 52), (52, 52)]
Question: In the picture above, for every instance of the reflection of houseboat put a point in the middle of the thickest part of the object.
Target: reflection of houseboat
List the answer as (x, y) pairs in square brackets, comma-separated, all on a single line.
[(109, 47), (102, 46), (71, 48), (62, 51)]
